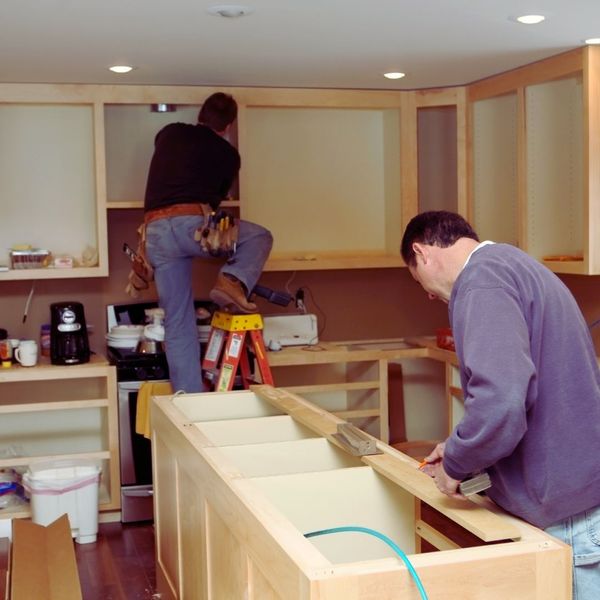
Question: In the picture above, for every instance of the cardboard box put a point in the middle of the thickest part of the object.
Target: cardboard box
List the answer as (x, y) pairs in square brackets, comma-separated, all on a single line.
[(43, 564)]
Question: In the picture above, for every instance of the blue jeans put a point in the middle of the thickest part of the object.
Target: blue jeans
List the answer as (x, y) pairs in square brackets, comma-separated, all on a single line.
[(582, 533), (171, 248)]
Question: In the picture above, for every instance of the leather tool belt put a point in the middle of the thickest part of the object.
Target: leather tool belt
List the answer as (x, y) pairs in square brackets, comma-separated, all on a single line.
[(177, 210)]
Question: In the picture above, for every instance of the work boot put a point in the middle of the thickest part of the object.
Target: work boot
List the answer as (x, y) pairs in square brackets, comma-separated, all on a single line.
[(229, 294)]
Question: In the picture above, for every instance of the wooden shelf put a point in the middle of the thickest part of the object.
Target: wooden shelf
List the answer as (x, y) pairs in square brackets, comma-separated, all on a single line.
[(139, 204), (50, 273)]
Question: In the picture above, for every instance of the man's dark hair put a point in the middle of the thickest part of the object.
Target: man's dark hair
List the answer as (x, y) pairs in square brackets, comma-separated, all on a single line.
[(218, 111), (434, 228)]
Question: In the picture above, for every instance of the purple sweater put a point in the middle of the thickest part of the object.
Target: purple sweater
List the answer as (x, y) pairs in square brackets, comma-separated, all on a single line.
[(531, 385)]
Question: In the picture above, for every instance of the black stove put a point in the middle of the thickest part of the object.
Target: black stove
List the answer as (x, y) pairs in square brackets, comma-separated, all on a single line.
[(138, 366)]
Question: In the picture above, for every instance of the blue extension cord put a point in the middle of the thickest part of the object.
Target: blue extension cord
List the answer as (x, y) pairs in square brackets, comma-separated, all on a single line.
[(382, 537)]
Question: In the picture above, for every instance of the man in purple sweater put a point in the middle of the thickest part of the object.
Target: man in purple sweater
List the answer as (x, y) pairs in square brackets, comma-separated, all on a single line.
[(531, 385)]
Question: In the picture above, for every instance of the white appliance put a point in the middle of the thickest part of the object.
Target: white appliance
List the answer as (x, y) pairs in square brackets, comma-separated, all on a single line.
[(290, 330)]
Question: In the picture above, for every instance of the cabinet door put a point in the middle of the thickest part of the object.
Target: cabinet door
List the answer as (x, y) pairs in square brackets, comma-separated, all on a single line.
[(48, 184)]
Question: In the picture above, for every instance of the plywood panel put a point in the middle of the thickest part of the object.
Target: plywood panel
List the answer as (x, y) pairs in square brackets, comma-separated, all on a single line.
[(227, 562)]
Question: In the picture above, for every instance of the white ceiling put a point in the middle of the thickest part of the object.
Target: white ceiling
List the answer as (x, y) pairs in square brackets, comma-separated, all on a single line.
[(289, 43)]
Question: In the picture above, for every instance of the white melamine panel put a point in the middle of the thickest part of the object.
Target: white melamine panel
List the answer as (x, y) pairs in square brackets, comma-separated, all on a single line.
[(555, 203), (254, 431), (359, 497), (222, 406), (130, 133), (323, 179), (495, 183), (298, 456), (47, 180)]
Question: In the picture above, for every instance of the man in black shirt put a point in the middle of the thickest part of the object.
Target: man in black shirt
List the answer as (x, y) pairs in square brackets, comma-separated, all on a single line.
[(192, 169)]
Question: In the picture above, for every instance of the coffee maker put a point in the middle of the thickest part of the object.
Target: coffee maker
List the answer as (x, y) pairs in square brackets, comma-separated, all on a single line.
[(69, 343)]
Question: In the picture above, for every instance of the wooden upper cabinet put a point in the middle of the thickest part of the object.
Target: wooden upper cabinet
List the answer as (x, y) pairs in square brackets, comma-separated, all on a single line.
[(534, 174), (51, 195)]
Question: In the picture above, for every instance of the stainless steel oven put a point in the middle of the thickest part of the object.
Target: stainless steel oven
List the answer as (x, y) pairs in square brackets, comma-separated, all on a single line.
[(136, 458)]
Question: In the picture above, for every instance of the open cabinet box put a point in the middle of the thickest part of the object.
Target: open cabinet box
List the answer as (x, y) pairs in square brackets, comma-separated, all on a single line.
[(241, 477)]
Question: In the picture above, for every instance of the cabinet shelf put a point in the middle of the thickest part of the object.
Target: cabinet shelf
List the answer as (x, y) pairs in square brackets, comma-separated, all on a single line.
[(135, 204), (24, 461), (46, 406), (48, 273)]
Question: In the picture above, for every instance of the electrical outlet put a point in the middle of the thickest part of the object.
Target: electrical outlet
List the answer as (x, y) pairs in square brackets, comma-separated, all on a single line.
[(300, 300)]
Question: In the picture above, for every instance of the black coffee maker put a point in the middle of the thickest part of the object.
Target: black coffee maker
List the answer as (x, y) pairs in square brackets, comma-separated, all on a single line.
[(69, 343)]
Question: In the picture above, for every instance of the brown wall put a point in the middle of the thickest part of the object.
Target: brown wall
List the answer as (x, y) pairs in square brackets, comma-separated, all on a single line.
[(350, 304)]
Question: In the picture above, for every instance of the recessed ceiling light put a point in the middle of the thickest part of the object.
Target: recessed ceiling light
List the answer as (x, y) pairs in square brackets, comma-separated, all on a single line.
[(120, 68), (592, 41), (229, 11), (394, 75), (531, 19)]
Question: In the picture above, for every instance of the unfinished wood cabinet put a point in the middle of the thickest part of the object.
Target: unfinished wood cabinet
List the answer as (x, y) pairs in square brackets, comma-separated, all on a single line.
[(51, 154), (51, 412), (241, 478), (534, 172)]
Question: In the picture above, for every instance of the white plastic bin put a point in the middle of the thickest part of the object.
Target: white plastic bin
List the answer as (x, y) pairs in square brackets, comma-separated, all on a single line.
[(65, 486)]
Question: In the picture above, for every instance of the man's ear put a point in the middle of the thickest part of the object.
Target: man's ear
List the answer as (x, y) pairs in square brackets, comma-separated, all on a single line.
[(420, 250)]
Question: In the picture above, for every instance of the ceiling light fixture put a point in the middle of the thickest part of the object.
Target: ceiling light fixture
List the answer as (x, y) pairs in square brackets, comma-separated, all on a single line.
[(592, 41), (394, 75), (229, 11), (120, 68), (530, 19)]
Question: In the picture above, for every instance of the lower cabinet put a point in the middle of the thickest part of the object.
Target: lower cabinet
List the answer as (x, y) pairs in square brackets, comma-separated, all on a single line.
[(242, 477), (60, 412)]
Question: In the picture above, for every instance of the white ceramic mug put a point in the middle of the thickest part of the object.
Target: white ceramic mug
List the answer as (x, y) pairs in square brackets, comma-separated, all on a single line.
[(27, 353)]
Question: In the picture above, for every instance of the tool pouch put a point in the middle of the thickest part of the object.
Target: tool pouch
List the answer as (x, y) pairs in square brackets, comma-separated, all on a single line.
[(142, 273), (219, 234)]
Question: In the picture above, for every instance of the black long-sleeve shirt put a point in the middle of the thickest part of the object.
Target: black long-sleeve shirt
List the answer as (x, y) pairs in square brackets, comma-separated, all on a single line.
[(191, 163)]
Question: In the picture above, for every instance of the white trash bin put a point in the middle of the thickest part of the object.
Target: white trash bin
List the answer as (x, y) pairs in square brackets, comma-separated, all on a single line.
[(64, 486)]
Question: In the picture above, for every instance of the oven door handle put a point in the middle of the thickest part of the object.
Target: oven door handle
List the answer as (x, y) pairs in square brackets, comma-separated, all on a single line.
[(138, 493)]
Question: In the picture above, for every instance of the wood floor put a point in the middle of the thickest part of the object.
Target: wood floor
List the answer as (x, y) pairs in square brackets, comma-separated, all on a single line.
[(120, 564)]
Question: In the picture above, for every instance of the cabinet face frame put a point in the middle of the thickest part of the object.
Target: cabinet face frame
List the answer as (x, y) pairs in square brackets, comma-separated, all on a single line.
[(583, 63)]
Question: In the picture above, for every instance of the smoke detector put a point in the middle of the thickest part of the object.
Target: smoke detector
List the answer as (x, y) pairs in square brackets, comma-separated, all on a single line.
[(229, 11)]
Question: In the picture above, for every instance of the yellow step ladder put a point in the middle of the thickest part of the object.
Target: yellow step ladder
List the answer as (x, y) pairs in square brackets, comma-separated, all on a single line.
[(232, 337)]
